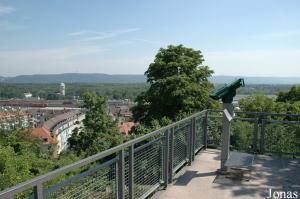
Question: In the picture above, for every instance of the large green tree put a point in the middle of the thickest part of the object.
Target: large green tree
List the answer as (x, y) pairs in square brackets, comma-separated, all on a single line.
[(178, 85), (100, 132)]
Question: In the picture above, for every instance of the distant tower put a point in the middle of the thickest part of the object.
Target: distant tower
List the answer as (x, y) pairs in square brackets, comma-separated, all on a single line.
[(62, 89)]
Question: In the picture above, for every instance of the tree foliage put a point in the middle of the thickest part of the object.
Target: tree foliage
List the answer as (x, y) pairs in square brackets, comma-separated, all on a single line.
[(279, 138), (178, 85), (49, 91), (22, 158), (100, 132), (293, 95), (257, 103), (111, 91), (286, 102)]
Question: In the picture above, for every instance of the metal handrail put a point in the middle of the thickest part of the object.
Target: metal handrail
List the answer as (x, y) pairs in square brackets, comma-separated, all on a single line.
[(256, 113)]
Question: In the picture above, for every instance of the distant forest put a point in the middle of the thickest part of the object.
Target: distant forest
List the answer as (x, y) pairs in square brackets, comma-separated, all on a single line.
[(267, 89), (112, 91), (49, 91), (96, 78)]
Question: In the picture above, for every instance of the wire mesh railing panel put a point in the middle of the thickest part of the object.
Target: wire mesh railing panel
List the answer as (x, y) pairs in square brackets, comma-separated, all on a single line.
[(147, 167), (214, 130), (282, 138), (98, 183), (27, 194), (181, 133), (199, 134), (126, 174)]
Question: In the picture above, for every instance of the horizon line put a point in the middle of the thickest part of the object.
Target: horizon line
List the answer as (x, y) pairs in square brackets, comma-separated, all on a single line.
[(75, 73)]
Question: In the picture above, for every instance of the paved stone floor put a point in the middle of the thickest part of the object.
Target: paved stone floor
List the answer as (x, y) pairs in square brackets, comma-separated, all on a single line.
[(197, 180)]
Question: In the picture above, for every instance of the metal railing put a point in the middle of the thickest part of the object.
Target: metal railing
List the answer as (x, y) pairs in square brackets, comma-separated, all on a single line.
[(139, 167), (263, 133), (134, 169)]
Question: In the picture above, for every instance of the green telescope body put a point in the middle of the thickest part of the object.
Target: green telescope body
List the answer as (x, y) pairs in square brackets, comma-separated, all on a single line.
[(227, 92)]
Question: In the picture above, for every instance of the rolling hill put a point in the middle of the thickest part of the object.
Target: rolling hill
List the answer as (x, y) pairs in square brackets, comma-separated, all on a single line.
[(106, 78)]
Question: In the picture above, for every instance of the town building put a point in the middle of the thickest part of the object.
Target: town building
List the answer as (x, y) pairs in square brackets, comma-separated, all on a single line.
[(28, 95), (12, 118), (125, 127), (57, 130), (120, 110), (62, 89)]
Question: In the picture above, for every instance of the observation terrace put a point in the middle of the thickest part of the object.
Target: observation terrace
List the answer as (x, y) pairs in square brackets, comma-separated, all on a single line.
[(181, 161)]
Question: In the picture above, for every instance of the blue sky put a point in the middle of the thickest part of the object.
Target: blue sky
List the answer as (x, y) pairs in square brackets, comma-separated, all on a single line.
[(248, 38)]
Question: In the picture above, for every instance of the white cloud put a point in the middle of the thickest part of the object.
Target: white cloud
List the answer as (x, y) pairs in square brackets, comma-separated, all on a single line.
[(151, 42), (89, 59), (7, 26), (255, 63), (87, 35), (81, 32), (54, 60), (277, 35), (6, 9), (120, 43), (126, 65)]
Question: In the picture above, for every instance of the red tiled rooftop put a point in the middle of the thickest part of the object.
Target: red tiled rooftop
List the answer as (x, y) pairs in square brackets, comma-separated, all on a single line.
[(125, 127), (44, 134)]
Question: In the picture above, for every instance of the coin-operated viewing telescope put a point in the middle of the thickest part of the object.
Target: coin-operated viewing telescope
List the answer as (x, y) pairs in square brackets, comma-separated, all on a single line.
[(227, 92)]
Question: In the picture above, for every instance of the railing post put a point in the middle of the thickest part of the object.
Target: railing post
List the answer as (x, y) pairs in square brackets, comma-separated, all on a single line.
[(171, 154), (262, 140), (38, 191), (190, 144), (166, 159), (205, 126), (193, 138), (255, 135), (121, 175), (131, 172)]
